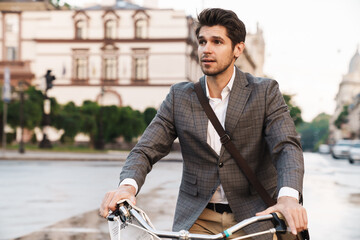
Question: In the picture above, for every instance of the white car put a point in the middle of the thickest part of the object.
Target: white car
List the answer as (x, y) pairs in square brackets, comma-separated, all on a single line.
[(324, 148), (341, 149), (354, 154)]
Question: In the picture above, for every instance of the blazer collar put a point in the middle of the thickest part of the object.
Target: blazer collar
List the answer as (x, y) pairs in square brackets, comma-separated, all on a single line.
[(239, 95)]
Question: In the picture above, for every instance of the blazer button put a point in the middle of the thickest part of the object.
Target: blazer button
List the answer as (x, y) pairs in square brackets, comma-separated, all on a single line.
[(221, 165)]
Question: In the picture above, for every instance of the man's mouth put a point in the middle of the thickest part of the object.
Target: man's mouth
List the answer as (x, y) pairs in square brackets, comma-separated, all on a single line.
[(207, 60)]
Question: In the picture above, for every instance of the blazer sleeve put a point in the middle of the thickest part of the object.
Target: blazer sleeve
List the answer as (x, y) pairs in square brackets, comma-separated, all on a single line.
[(154, 144), (283, 140)]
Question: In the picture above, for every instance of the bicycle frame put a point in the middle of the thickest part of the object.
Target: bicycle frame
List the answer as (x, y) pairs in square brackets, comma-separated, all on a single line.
[(126, 213)]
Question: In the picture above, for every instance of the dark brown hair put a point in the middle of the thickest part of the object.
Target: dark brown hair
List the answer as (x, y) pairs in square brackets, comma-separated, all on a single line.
[(236, 30)]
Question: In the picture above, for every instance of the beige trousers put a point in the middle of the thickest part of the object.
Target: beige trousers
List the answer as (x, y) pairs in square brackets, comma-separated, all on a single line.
[(211, 222)]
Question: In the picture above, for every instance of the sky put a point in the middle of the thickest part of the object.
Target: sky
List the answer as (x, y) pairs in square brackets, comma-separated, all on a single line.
[(308, 43)]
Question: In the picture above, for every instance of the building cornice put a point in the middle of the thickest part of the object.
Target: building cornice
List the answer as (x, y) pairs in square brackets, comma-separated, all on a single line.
[(108, 41), (112, 85)]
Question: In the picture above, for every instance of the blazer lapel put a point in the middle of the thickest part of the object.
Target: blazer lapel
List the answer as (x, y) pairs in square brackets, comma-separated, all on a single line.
[(200, 118), (239, 95)]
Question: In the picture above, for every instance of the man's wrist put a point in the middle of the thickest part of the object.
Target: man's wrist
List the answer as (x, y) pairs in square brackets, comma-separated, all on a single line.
[(288, 192), (131, 182)]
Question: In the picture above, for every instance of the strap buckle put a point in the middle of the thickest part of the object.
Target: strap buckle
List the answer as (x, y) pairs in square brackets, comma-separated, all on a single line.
[(225, 139)]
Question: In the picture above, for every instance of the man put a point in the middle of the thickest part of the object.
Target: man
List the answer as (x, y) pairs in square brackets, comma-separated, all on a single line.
[(214, 193)]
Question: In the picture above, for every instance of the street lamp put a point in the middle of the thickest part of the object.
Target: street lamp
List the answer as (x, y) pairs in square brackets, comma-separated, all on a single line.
[(21, 113), (100, 143), (45, 142)]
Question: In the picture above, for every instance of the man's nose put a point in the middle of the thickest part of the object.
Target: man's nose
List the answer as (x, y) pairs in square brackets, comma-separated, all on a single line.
[(207, 48)]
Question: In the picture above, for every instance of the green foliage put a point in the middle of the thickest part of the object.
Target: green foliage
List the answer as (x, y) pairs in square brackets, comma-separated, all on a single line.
[(131, 123), (315, 133), (67, 117), (111, 121), (295, 112), (33, 105), (89, 115), (89, 118), (342, 118), (149, 114)]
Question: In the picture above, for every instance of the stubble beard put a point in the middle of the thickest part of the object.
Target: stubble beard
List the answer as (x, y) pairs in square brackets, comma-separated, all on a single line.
[(216, 72)]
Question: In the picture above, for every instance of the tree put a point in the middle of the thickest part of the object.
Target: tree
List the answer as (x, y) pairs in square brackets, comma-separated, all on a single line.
[(315, 133), (149, 114), (33, 108), (131, 123), (111, 123), (342, 118), (295, 112), (67, 118), (89, 114)]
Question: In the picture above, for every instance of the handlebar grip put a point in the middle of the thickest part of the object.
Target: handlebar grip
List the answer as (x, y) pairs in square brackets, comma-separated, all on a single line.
[(112, 217), (279, 223)]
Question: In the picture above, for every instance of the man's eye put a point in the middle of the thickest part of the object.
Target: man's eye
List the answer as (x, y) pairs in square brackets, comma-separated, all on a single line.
[(217, 42), (202, 42)]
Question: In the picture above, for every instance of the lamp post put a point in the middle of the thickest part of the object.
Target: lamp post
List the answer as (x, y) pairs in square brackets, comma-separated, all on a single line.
[(21, 113), (45, 142), (6, 97), (99, 143)]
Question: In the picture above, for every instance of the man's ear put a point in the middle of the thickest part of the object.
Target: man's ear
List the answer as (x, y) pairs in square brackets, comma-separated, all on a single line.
[(238, 49)]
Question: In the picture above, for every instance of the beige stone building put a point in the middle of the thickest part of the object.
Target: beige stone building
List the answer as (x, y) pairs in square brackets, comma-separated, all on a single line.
[(348, 95), (116, 52)]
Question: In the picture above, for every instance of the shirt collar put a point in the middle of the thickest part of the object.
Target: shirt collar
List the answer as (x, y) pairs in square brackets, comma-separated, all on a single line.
[(226, 89)]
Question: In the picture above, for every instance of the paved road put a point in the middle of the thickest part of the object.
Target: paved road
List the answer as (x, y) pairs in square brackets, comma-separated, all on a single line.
[(332, 197), (37, 194)]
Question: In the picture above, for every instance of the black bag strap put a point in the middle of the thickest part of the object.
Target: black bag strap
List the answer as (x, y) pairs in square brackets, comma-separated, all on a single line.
[(230, 147)]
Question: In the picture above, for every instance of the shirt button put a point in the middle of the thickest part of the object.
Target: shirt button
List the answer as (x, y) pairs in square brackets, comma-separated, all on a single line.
[(221, 165)]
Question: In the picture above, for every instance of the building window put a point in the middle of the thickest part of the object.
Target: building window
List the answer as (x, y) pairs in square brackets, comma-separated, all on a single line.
[(140, 68), (141, 28), (11, 53), (110, 68), (80, 29), (141, 24), (140, 65), (11, 37), (81, 69), (80, 65), (110, 29), (109, 64)]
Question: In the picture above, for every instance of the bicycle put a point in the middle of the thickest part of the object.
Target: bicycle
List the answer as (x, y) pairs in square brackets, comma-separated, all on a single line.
[(129, 222)]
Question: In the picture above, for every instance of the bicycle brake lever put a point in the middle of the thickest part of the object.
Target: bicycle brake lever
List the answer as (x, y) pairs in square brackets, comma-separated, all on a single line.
[(113, 216), (279, 224)]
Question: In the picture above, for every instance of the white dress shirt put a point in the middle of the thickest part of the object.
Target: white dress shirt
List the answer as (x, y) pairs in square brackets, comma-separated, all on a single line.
[(219, 106)]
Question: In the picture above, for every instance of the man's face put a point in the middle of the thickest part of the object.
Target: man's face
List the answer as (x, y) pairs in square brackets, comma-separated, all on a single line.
[(215, 50)]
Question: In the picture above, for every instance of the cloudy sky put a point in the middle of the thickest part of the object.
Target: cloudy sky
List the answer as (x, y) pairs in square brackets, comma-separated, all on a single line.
[(309, 43)]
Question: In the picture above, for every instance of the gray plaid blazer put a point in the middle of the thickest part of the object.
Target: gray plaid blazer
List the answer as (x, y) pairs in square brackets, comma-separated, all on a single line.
[(260, 126)]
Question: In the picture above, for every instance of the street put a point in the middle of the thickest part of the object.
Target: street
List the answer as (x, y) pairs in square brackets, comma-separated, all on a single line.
[(38, 197)]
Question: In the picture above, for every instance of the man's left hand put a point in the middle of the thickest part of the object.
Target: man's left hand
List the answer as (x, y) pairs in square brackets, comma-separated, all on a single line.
[(294, 213)]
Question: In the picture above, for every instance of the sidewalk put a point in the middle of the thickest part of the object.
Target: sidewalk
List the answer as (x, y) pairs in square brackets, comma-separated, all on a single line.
[(66, 156)]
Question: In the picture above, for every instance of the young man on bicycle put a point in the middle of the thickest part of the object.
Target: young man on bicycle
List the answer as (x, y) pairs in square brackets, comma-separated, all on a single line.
[(214, 193)]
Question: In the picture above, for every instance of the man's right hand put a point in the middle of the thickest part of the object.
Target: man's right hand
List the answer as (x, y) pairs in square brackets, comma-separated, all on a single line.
[(112, 197)]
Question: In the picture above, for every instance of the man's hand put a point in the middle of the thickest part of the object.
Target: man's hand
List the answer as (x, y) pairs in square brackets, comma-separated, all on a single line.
[(294, 213), (112, 197)]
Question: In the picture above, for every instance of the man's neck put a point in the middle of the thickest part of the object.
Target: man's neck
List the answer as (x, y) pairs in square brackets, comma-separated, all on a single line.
[(217, 83)]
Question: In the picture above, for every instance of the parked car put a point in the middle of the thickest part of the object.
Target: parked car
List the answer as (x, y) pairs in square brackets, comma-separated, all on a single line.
[(354, 154), (341, 149), (324, 148)]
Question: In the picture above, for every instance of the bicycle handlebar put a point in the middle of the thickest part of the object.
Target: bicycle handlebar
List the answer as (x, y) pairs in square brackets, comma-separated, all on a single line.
[(125, 212)]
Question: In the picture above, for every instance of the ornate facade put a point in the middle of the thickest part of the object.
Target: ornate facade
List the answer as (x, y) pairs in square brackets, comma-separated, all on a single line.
[(115, 53), (348, 95)]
